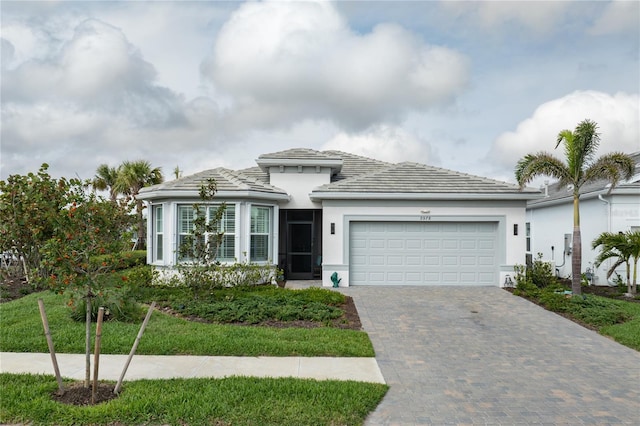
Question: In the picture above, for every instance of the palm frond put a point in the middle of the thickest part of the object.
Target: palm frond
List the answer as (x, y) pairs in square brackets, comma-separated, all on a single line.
[(613, 167), (540, 164)]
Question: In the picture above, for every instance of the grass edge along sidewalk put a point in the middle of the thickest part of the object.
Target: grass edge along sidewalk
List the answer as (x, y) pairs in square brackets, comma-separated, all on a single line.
[(235, 400)]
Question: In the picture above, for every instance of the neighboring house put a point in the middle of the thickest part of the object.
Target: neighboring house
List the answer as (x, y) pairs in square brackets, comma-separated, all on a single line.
[(549, 225), (373, 223)]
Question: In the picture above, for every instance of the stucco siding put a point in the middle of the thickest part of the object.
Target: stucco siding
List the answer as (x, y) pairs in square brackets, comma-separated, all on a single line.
[(617, 213)]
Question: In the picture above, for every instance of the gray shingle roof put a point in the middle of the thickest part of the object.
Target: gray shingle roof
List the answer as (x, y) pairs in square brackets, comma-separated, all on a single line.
[(355, 165), (353, 174), (419, 178), (226, 180)]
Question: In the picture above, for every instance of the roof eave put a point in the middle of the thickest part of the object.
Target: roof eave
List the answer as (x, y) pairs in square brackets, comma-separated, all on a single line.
[(330, 195), (191, 194), (265, 163)]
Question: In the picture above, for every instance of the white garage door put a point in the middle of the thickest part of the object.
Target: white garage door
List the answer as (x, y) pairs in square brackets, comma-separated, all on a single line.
[(423, 253)]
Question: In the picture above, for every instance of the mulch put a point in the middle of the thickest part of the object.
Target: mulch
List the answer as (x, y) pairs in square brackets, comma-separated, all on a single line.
[(77, 394)]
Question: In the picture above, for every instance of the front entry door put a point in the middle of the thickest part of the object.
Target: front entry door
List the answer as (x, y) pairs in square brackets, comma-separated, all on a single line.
[(299, 250)]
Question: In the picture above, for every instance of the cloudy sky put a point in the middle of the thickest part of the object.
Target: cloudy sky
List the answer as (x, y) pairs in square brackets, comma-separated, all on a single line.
[(468, 86)]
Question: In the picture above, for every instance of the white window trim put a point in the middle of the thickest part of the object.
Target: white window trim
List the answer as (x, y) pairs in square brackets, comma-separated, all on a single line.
[(271, 233), (158, 233)]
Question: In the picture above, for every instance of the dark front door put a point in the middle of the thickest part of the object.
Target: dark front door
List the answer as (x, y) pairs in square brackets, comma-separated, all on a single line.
[(300, 243), (300, 250)]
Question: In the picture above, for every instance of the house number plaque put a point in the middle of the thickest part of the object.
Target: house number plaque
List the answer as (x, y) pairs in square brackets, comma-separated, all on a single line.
[(425, 218)]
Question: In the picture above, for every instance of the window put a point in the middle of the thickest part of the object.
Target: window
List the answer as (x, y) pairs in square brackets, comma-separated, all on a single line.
[(185, 226), (260, 233), (158, 232), (528, 234), (227, 225)]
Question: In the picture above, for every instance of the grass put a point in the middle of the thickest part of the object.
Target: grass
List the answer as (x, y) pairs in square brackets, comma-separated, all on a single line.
[(235, 400), (618, 319), (22, 331)]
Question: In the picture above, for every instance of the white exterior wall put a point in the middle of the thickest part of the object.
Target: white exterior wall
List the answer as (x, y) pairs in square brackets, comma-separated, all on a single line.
[(299, 182), (339, 212), (549, 224)]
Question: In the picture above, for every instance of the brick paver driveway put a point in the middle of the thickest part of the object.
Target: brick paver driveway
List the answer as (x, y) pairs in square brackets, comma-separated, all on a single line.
[(478, 356)]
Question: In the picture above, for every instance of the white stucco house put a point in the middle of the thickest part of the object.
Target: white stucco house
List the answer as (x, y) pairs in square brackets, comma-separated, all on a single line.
[(549, 221), (314, 213)]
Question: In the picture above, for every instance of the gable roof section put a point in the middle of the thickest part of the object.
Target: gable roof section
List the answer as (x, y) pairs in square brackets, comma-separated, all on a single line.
[(560, 194), (418, 181), (230, 184)]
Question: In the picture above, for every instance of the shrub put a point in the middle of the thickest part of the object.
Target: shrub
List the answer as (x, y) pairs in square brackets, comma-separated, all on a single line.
[(118, 306), (540, 275), (596, 311)]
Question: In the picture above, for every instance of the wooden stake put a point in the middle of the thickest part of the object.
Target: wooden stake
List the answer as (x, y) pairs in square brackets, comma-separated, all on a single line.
[(96, 355), (135, 346), (47, 333)]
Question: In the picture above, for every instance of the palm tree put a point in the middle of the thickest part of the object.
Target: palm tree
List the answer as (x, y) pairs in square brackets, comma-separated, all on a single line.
[(132, 177), (105, 179), (613, 246), (580, 147), (634, 248)]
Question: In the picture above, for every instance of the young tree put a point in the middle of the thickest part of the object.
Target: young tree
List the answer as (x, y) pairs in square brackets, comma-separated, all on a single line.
[(613, 245), (88, 240), (29, 206), (132, 177), (625, 247), (581, 167), (200, 247)]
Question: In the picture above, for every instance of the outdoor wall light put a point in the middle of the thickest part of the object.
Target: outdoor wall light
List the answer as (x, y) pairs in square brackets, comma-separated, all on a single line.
[(333, 228), (515, 229)]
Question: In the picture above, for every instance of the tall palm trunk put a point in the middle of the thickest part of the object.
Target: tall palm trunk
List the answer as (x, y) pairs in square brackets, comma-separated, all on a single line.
[(576, 253)]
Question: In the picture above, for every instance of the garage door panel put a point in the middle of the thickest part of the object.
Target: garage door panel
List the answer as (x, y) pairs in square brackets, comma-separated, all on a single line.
[(414, 244), (468, 260), (468, 244), (376, 243), (450, 244), (418, 253), (431, 244), (432, 261), (395, 244)]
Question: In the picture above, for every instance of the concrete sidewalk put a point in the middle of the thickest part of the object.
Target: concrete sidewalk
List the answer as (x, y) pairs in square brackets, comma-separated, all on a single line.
[(186, 366)]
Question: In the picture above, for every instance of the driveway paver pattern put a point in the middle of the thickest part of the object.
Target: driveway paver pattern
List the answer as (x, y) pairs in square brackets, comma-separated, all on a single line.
[(481, 356)]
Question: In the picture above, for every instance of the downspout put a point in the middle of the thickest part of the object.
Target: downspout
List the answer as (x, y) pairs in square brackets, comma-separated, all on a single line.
[(608, 203)]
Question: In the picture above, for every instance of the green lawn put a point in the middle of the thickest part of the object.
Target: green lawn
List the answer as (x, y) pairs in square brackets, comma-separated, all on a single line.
[(22, 331), (230, 401)]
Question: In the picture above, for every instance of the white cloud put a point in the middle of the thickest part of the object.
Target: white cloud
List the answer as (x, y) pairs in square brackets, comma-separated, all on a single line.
[(619, 16), (617, 116), (535, 16), (387, 143), (287, 61)]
